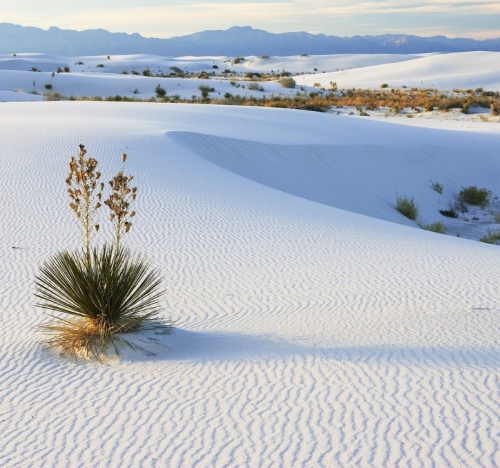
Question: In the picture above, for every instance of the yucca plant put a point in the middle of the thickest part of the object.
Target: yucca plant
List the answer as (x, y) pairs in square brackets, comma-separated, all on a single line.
[(98, 293), (117, 292)]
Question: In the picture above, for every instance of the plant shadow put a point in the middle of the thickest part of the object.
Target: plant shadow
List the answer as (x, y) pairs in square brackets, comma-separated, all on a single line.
[(204, 346)]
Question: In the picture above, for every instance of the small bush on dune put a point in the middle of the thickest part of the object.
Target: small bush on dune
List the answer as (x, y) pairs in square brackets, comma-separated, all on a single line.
[(254, 86), (101, 292), (437, 187), (473, 196), (493, 237), (435, 227), (160, 92), (407, 207), (288, 82)]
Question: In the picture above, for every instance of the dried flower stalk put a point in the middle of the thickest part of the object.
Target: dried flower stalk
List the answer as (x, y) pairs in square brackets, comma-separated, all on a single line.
[(119, 203), (85, 194)]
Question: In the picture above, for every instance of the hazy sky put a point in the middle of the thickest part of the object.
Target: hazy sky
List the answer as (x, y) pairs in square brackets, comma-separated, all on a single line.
[(167, 18)]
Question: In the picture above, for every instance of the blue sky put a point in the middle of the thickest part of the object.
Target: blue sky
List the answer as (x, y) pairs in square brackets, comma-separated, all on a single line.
[(167, 18)]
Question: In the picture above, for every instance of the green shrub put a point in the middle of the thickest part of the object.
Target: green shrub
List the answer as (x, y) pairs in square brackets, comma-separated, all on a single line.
[(384, 85), (493, 237), (437, 187), (116, 292), (435, 227), (100, 65), (473, 196), (147, 72), (288, 82), (407, 207), (66, 70), (160, 92), (255, 86), (48, 86)]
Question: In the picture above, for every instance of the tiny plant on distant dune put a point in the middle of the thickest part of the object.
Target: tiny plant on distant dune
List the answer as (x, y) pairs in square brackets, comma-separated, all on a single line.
[(434, 227), (493, 237), (407, 207), (437, 187), (101, 292)]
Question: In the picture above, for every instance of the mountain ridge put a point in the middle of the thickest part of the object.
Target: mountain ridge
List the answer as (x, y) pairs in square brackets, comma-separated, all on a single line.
[(235, 41)]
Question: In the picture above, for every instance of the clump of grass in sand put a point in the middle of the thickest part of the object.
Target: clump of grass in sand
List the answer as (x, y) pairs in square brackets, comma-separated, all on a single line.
[(101, 292), (407, 207)]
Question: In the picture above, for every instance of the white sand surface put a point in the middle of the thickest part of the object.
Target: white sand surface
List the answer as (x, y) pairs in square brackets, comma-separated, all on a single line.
[(306, 334), (467, 70)]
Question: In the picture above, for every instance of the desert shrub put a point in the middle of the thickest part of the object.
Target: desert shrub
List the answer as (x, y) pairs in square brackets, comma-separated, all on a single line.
[(48, 86), (116, 98), (78, 63), (134, 72), (116, 292), (288, 82), (255, 86), (264, 57), (160, 92), (437, 187), (101, 292), (34, 69), (384, 85), (205, 90), (177, 71), (434, 227), (312, 107), (473, 196), (493, 237), (407, 207), (450, 104), (147, 72), (100, 65), (450, 213), (66, 70), (238, 60), (124, 72)]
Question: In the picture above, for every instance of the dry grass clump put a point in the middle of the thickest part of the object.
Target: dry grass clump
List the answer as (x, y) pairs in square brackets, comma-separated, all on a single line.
[(104, 291)]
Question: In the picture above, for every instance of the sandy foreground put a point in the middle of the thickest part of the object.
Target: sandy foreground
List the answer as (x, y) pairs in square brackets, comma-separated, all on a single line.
[(307, 332)]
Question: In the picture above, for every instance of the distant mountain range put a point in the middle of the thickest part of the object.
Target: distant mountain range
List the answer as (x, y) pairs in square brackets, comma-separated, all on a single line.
[(236, 41)]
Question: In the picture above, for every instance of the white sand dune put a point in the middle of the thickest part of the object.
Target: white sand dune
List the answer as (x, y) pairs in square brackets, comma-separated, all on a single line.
[(467, 70), (306, 335), (100, 76)]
